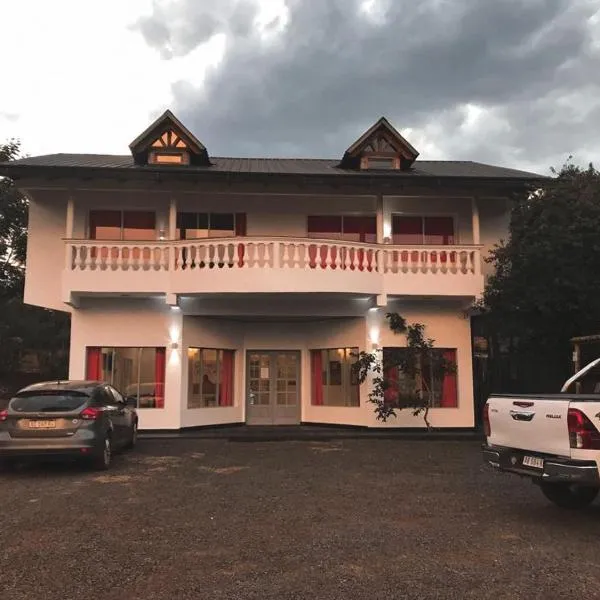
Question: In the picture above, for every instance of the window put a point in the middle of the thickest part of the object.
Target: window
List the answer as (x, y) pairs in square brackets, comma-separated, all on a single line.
[(422, 230), (343, 227), (437, 387), (169, 149), (122, 225), (334, 382), (210, 377), (377, 163), (210, 225), (138, 372)]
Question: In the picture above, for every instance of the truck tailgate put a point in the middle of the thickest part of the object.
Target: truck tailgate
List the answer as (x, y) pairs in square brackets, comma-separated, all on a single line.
[(530, 424)]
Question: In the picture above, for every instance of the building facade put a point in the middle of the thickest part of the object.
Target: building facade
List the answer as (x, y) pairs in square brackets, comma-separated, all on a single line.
[(239, 290)]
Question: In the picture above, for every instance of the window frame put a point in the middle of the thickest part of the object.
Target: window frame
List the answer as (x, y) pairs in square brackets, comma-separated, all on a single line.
[(343, 217), (180, 230), (346, 373), (122, 212), (455, 375), (219, 360), (453, 216)]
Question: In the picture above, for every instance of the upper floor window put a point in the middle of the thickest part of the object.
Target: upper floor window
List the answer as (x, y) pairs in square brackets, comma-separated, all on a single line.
[(423, 230), (122, 225), (169, 149), (343, 227), (210, 225)]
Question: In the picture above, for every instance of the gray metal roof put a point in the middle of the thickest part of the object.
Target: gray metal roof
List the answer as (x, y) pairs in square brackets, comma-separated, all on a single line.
[(275, 166)]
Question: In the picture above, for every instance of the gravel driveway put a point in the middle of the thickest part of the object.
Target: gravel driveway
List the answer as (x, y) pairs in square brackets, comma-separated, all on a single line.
[(347, 519)]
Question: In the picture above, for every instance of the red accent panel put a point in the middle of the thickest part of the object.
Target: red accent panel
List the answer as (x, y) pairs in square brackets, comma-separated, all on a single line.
[(240, 224), (449, 385), (316, 365), (94, 363), (226, 383), (159, 377)]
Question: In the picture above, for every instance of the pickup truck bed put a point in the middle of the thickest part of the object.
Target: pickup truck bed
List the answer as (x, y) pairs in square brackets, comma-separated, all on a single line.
[(552, 439)]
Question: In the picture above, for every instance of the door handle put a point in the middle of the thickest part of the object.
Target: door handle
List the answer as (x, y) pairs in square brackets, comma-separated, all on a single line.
[(518, 415)]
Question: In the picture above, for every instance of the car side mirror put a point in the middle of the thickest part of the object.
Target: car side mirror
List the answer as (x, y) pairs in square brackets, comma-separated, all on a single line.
[(131, 401)]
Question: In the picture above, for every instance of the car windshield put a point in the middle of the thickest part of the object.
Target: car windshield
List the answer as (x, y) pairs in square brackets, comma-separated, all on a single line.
[(50, 401)]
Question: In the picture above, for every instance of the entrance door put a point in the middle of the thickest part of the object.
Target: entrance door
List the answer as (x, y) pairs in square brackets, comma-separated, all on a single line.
[(273, 388)]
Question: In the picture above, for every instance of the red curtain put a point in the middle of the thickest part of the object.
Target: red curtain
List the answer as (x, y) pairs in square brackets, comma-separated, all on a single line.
[(325, 226), (159, 377), (94, 363), (390, 395), (226, 383), (439, 230), (316, 364), (105, 224), (240, 224), (449, 385), (407, 230), (364, 227)]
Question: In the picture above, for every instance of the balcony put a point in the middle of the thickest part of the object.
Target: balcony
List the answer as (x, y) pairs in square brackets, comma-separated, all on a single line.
[(268, 265)]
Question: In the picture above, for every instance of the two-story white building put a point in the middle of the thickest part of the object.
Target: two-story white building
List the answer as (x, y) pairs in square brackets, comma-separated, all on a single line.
[(231, 290)]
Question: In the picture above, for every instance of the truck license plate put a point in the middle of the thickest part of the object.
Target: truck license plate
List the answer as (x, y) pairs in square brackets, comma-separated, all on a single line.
[(533, 461)]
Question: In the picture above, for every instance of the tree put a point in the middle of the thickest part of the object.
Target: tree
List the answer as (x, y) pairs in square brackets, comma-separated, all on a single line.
[(546, 286), (398, 373), (23, 327)]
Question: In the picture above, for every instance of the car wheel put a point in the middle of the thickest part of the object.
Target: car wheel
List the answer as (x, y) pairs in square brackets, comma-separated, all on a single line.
[(133, 436), (567, 495), (104, 457)]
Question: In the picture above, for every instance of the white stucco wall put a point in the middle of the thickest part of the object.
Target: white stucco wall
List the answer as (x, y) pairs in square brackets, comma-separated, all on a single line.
[(139, 323)]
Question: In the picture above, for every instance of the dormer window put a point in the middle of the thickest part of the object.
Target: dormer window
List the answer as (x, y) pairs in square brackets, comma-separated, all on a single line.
[(378, 163), (381, 148), (169, 149), (168, 142)]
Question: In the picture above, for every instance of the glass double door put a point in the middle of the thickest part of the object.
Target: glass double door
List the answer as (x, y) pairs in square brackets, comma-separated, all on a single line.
[(273, 387)]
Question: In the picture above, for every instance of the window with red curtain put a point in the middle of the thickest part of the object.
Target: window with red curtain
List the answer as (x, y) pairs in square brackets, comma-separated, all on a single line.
[(327, 227), (134, 371), (210, 377), (105, 224), (422, 230), (333, 379), (439, 388), (122, 225), (360, 228)]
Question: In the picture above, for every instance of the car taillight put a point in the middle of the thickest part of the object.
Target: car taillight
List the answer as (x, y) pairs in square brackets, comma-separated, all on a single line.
[(3, 415), (583, 434), (90, 414), (487, 429)]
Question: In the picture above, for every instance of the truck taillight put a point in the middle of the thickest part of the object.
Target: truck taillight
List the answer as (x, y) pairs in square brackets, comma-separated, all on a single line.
[(583, 434), (487, 429), (3, 415), (90, 414)]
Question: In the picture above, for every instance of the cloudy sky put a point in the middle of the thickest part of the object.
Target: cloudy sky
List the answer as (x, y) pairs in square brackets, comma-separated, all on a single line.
[(510, 82)]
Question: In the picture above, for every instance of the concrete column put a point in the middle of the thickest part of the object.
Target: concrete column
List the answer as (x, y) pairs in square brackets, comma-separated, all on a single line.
[(70, 220), (173, 219), (475, 221), (380, 219)]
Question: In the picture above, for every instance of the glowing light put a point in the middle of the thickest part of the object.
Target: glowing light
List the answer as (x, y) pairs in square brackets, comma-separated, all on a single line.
[(374, 335)]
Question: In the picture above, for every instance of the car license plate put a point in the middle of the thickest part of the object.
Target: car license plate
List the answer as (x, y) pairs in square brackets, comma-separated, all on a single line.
[(533, 461), (42, 424)]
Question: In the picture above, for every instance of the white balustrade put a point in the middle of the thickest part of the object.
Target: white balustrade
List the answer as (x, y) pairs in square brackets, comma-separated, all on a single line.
[(271, 253)]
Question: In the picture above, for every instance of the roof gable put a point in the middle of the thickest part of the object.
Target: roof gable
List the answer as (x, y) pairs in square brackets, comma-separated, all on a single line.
[(166, 133), (381, 139)]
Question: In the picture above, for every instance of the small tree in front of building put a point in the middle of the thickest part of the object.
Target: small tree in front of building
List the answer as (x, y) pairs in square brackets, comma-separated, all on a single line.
[(402, 377)]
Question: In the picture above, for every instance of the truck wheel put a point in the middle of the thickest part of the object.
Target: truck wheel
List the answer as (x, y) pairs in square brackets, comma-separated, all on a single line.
[(567, 495)]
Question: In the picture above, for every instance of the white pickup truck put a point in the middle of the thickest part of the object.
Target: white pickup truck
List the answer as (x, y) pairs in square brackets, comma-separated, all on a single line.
[(552, 439)]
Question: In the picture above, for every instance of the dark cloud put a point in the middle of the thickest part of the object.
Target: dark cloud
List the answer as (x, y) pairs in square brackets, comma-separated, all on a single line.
[(529, 67)]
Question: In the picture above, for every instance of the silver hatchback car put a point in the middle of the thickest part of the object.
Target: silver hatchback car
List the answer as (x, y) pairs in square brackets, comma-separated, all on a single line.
[(70, 419)]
